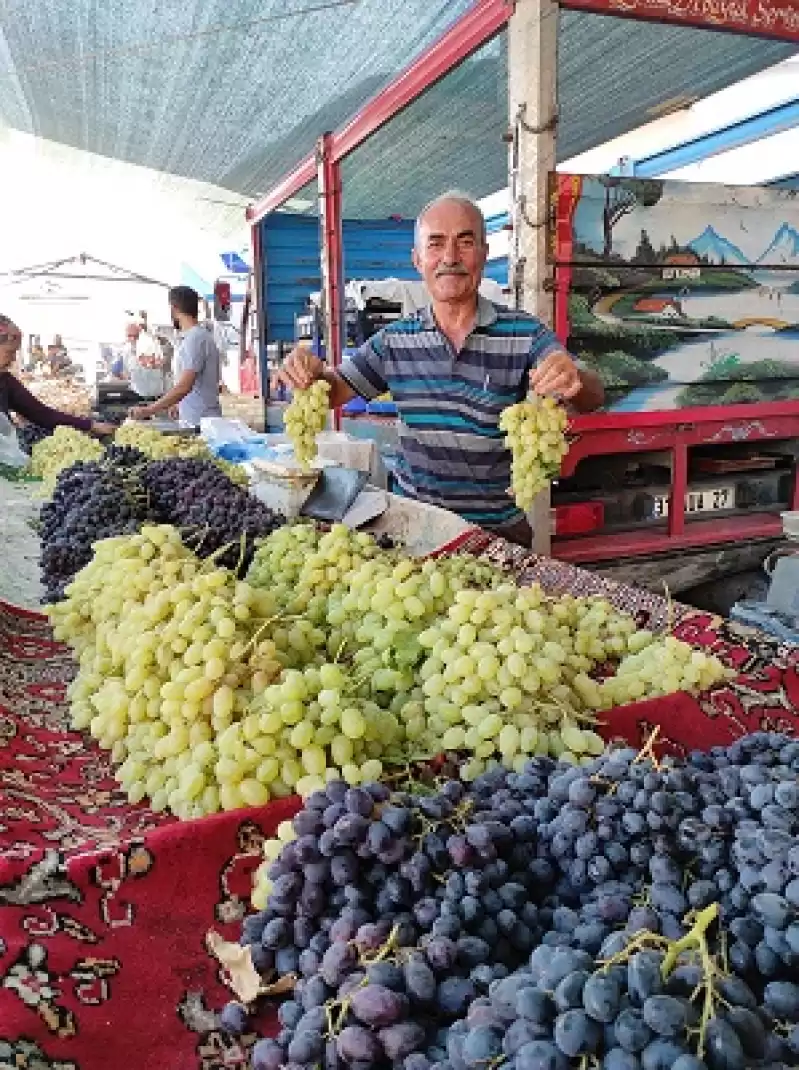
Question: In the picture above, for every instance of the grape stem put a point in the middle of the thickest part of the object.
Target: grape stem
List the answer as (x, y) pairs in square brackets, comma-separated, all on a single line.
[(648, 751), (696, 940), (343, 1005), (242, 551)]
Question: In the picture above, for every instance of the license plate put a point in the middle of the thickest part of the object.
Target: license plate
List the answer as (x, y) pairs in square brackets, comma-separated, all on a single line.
[(707, 500)]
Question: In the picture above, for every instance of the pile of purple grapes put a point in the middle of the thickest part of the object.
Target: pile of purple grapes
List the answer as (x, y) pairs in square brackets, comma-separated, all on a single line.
[(623, 915), (92, 500), (213, 512), (29, 434), (117, 494)]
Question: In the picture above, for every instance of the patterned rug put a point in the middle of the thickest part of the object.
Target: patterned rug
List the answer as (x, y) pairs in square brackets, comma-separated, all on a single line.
[(104, 906)]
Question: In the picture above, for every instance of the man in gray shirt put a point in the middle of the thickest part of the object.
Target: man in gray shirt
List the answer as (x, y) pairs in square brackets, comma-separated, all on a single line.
[(197, 364)]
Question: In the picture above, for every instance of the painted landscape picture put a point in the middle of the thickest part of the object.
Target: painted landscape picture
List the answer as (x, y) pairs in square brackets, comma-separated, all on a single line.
[(682, 295)]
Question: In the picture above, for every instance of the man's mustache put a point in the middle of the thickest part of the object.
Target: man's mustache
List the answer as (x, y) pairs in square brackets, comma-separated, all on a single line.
[(454, 269)]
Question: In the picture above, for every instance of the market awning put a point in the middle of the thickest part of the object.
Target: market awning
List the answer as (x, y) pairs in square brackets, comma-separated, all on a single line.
[(236, 94)]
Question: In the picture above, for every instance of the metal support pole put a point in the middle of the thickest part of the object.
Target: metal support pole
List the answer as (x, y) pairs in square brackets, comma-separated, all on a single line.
[(260, 333), (329, 180), (532, 87)]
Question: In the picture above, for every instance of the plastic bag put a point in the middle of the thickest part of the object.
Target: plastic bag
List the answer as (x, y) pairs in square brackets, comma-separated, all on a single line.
[(11, 456)]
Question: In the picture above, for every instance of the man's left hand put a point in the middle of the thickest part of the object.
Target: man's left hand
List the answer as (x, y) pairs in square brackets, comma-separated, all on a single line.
[(141, 412), (557, 375)]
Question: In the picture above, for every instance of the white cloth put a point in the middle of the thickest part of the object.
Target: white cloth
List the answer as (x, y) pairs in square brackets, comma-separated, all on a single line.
[(144, 365)]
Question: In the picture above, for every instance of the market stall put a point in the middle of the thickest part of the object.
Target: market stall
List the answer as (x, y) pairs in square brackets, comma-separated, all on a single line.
[(107, 905), (122, 921)]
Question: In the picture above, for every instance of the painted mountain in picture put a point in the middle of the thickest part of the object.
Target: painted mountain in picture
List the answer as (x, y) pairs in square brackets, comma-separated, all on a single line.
[(681, 295), (784, 249), (714, 249)]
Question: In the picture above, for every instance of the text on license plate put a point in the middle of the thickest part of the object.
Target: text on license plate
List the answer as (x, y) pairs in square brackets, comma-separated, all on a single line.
[(707, 500)]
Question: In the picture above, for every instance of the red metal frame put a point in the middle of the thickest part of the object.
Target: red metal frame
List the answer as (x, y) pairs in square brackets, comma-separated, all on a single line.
[(332, 253), (260, 308), (461, 40), (676, 431), (754, 18)]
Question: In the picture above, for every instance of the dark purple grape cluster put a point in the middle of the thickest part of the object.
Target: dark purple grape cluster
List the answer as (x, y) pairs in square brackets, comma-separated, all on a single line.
[(633, 1012), (531, 919), (92, 500), (212, 511), (125, 456), (29, 434), (114, 496)]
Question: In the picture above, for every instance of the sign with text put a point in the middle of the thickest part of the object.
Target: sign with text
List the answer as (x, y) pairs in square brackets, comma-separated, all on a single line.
[(764, 18)]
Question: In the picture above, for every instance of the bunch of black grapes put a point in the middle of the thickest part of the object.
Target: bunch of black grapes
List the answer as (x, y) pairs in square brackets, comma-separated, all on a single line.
[(29, 435), (211, 511), (623, 915), (92, 500)]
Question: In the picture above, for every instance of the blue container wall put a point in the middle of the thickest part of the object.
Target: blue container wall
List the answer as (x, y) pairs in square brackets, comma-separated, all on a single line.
[(373, 249), (497, 270)]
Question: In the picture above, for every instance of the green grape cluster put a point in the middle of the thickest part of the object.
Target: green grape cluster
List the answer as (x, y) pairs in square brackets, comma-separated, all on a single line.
[(334, 659), (658, 667), (310, 726), (64, 447), (535, 435), (305, 417), (279, 559), (158, 447), (170, 653), (389, 601), (498, 680)]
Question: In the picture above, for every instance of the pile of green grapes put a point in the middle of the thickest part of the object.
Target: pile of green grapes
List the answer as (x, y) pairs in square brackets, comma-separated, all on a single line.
[(305, 417), (535, 433), (336, 659), (64, 447)]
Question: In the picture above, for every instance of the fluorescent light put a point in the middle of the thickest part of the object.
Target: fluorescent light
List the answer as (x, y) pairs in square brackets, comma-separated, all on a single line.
[(297, 204)]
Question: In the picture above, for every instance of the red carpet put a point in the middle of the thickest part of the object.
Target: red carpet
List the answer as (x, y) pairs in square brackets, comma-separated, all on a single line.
[(104, 907)]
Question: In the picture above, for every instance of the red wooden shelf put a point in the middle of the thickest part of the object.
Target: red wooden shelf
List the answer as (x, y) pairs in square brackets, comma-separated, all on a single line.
[(641, 543)]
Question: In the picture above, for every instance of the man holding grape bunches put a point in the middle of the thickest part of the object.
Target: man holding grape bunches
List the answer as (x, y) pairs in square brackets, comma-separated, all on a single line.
[(452, 368)]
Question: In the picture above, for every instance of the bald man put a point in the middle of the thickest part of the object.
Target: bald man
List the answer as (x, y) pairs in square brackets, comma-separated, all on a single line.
[(452, 368)]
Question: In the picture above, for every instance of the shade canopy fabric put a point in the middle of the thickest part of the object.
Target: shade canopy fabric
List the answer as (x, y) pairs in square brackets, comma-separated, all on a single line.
[(235, 92)]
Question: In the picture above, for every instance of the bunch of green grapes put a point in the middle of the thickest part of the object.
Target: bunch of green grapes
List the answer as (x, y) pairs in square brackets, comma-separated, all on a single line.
[(308, 727), (280, 557), (304, 418), (160, 447), (304, 569), (64, 447), (214, 693), (658, 666), (497, 678), (535, 435), (170, 655)]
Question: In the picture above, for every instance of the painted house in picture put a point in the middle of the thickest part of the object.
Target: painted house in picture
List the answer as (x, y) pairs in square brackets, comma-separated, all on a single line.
[(679, 294)]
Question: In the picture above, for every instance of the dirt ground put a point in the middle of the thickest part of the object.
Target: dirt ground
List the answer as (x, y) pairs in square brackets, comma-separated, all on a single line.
[(19, 545)]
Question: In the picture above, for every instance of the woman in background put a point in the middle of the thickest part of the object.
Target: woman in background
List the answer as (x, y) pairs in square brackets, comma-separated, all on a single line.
[(17, 399)]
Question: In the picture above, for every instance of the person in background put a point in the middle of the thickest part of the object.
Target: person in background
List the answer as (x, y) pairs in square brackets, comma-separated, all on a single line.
[(197, 365), (142, 363), (58, 358), (38, 358), (16, 399), (452, 368)]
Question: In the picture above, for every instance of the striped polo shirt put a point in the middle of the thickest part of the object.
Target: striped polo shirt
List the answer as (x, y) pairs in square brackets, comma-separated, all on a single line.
[(451, 450)]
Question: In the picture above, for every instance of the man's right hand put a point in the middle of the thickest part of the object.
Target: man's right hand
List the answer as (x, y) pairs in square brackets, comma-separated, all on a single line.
[(300, 370)]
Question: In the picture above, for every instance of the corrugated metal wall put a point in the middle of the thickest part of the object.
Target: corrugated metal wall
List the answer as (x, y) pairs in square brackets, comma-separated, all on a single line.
[(373, 249), (497, 270)]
